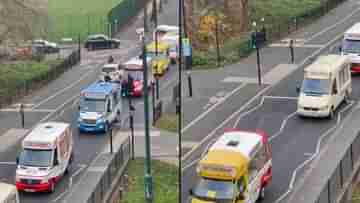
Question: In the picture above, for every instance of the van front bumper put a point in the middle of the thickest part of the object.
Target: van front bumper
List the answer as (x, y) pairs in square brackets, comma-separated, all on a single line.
[(32, 188), (311, 113), (99, 127)]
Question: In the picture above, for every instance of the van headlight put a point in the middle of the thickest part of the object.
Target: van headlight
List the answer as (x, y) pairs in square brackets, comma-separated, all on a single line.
[(45, 180), (324, 108), (100, 120)]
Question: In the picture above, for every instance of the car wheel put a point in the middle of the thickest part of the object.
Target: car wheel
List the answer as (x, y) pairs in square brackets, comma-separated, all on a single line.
[(51, 186), (331, 113), (262, 194)]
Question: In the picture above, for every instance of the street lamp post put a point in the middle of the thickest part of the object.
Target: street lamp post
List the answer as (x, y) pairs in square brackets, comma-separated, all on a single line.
[(131, 112), (257, 53), (180, 7), (148, 178), (156, 47)]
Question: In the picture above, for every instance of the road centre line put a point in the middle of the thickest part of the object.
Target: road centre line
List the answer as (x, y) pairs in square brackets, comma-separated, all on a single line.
[(63, 90), (212, 133), (315, 154), (332, 26), (201, 116), (279, 97), (283, 124)]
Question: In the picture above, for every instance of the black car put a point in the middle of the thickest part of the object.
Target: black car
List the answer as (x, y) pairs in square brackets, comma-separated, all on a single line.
[(101, 41)]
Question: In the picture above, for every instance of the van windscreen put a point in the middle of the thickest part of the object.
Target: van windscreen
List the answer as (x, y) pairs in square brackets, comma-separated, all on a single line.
[(351, 46), (316, 86), (36, 157)]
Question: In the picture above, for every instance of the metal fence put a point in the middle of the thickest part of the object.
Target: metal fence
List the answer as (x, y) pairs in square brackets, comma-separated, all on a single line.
[(13, 86), (338, 188), (115, 169)]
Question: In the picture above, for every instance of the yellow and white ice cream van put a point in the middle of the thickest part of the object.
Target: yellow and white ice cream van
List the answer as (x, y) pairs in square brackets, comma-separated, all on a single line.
[(236, 169), (47, 152)]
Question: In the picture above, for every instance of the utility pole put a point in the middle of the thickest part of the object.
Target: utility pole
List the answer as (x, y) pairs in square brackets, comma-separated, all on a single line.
[(258, 63), (148, 177), (291, 46), (156, 47), (131, 111), (145, 19), (217, 41), (180, 6)]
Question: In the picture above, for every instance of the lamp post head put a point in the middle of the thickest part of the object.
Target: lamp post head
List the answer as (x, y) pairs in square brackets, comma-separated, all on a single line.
[(254, 24)]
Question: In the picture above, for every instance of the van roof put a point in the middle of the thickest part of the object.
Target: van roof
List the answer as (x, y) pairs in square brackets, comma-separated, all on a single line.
[(355, 29), (45, 133), (238, 141), (327, 64), (5, 190)]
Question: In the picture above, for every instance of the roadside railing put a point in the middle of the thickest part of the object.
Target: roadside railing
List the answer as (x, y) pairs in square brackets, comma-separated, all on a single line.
[(331, 176), (13, 86), (100, 180)]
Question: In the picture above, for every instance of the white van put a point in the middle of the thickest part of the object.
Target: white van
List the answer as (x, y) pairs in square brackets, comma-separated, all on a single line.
[(327, 82), (47, 152), (351, 47), (8, 193)]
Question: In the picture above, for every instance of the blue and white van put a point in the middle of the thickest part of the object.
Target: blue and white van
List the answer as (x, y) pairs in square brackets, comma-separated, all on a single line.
[(99, 106)]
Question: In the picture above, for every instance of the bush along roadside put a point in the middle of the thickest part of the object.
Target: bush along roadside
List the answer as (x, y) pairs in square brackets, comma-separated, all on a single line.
[(278, 25), (18, 79)]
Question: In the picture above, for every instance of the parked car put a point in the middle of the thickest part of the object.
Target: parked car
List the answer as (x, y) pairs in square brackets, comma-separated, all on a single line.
[(101, 41), (45, 47)]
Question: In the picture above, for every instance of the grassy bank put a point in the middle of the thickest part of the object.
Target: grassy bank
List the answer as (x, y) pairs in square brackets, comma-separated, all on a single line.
[(356, 194), (16, 76), (168, 122), (68, 18), (164, 179), (278, 14)]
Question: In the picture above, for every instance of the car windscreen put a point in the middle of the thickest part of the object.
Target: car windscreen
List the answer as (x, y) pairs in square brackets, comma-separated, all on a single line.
[(316, 86), (136, 75), (92, 105), (108, 69), (223, 190), (351, 46), (36, 157)]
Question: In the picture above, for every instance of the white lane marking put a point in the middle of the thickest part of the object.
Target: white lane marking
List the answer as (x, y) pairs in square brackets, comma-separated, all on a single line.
[(28, 110), (332, 26), (279, 97), (283, 124), (297, 45), (7, 163), (314, 155), (63, 90), (201, 116), (336, 38), (61, 195), (212, 133), (248, 112), (77, 172)]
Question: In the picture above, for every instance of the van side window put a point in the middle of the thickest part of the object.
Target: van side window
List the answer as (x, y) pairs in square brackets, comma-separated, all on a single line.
[(334, 87)]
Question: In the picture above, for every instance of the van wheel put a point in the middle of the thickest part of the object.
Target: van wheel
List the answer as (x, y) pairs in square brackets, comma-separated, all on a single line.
[(51, 186), (331, 113), (347, 97), (262, 194)]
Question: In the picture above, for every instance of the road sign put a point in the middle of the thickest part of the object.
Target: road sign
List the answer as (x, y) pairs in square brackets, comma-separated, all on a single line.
[(186, 47)]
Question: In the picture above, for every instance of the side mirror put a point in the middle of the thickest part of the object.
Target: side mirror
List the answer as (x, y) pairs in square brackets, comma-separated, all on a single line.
[(56, 162), (297, 88), (191, 192), (79, 107), (17, 160)]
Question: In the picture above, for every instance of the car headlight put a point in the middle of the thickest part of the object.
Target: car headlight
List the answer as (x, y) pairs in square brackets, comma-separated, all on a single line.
[(100, 120), (324, 108)]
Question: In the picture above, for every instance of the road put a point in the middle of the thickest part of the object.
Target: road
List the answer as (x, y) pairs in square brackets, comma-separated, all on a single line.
[(293, 139)]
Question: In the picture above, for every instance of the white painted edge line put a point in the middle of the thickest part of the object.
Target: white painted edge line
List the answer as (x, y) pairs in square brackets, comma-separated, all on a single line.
[(7, 163), (61, 195), (28, 110), (254, 98), (201, 116), (332, 26), (283, 124), (314, 155), (63, 90), (212, 133), (248, 112), (279, 97)]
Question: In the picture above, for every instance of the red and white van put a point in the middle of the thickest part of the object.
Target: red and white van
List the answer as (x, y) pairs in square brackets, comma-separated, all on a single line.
[(47, 152)]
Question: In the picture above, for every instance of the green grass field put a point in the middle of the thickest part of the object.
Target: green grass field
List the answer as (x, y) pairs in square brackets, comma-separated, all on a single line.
[(165, 182), (68, 18)]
